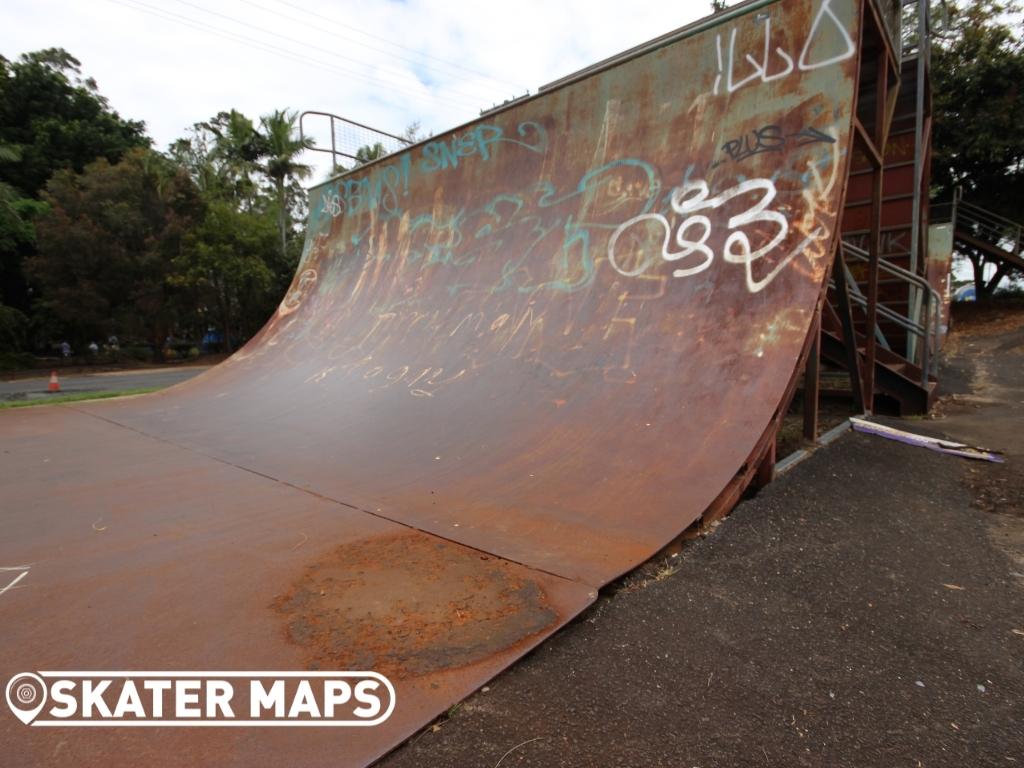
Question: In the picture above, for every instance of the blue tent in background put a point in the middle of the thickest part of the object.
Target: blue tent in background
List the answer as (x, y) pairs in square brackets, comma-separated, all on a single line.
[(965, 293)]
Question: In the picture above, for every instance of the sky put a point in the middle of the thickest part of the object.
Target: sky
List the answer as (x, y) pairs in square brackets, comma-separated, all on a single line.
[(385, 63)]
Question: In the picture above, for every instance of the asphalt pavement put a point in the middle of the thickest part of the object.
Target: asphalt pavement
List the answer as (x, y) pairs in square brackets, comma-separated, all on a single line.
[(114, 381)]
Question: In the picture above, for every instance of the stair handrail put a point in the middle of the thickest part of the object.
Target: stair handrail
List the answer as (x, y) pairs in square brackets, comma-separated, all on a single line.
[(991, 226), (928, 330), (980, 212), (889, 314)]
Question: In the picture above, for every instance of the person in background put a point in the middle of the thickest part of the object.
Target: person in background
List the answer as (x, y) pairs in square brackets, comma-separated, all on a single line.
[(93, 347), (65, 349)]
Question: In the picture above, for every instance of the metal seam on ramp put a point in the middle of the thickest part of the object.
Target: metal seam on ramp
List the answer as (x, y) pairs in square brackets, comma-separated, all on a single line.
[(309, 491)]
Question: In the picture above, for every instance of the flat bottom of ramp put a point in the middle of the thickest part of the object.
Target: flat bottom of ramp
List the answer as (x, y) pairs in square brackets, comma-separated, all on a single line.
[(144, 555)]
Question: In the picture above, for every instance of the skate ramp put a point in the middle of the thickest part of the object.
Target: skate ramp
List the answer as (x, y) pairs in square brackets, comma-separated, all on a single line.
[(516, 360)]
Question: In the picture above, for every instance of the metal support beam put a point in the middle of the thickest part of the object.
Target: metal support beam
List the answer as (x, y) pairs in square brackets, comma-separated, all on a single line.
[(812, 380), (766, 468), (849, 334)]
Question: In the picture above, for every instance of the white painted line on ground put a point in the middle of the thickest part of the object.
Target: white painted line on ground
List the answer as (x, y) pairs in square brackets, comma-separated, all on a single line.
[(17, 578)]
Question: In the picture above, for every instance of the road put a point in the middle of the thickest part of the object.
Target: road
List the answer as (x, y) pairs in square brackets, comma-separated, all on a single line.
[(113, 381)]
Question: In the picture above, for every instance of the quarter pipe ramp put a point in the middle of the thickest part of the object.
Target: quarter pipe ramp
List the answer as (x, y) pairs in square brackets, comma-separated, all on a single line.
[(516, 360)]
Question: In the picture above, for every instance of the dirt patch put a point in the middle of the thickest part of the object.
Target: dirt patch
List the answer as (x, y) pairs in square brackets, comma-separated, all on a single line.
[(988, 317), (986, 351), (997, 489), (409, 605)]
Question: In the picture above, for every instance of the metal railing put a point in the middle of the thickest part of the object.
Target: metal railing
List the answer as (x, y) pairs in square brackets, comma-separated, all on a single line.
[(978, 222), (928, 329), (348, 137)]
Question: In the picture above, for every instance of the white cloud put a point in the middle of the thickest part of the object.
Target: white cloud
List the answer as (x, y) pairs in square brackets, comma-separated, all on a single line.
[(175, 62)]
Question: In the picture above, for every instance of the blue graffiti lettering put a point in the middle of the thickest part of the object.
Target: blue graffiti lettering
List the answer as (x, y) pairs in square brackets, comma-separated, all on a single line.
[(477, 141)]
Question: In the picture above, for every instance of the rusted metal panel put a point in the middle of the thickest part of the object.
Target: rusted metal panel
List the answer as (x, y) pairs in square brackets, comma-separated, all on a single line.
[(144, 555), (459, 353), (938, 271), (516, 360)]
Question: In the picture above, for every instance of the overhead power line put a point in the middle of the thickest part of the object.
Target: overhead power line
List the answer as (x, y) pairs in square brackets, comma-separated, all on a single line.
[(517, 86), (468, 97), (417, 59), (281, 52)]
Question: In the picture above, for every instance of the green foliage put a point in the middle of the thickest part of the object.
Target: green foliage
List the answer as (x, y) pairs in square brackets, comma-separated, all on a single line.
[(13, 330), (219, 154), (977, 76), (75, 397), (249, 177), (281, 148), (978, 107), (17, 242), (225, 266), (50, 118), (105, 247), (57, 119), (100, 235), (369, 153)]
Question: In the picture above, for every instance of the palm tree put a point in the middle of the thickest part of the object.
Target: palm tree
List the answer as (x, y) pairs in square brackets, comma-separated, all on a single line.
[(281, 150), (235, 150), (370, 152)]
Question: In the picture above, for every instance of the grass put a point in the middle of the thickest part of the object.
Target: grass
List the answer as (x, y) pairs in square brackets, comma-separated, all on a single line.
[(76, 397), (651, 572)]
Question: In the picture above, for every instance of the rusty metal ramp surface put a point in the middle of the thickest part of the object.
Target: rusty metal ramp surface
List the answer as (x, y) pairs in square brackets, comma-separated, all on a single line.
[(515, 361)]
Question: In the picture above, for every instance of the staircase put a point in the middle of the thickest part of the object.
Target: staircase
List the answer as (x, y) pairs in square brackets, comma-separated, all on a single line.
[(910, 385), (991, 234), (900, 381)]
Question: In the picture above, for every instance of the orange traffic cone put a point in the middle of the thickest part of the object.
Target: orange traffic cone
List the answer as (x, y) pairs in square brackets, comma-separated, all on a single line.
[(54, 384)]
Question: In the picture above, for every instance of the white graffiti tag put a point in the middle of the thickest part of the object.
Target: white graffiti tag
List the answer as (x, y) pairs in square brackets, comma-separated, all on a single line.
[(20, 570), (761, 69), (693, 197)]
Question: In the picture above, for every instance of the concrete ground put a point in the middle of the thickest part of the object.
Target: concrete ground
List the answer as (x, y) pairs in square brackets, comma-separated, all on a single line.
[(866, 609), (114, 381)]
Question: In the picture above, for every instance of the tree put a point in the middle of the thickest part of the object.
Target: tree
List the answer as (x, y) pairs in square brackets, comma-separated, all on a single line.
[(281, 149), (13, 330), (412, 132), (51, 118), (57, 119), (369, 153), (220, 154), (977, 76), (17, 237), (249, 180), (106, 247), (226, 263)]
